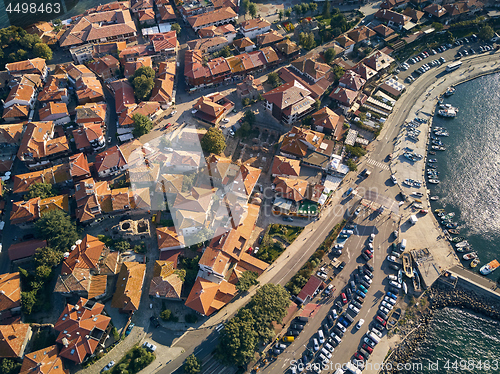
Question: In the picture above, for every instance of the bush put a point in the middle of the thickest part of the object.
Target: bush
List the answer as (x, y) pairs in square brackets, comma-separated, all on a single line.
[(191, 318), (166, 315), (192, 365), (115, 334), (122, 246)]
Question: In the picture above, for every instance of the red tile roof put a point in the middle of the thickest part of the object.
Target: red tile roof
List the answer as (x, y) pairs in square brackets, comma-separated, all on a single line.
[(128, 292), (12, 339), (285, 166), (86, 255), (79, 166), (10, 291), (43, 361)]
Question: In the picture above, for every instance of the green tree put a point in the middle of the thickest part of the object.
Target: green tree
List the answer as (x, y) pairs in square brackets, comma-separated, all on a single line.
[(305, 8), (176, 27), (438, 26), (244, 5), (306, 39), (288, 13), (247, 280), (317, 104), (274, 79), (313, 7), (269, 304), (246, 101), (486, 32), (8, 366), (142, 125), (192, 365), (122, 246), (213, 141), (41, 190), (307, 121), (297, 9), (21, 54), (352, 165), (28, 41), (42, 50), (329, 55), (143, 82), (28, 300), (252, 10), (43, 272), (326, 9), (338, 72), (166, 315), (225, 52), (57, 228), (249, 117), (280, 14), (336, 31), (47, 257)]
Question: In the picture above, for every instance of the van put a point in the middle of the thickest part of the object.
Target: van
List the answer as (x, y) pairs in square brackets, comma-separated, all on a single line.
[(336, 338), (321, 337), (288, 339), (348, 318), (302, 319), (402, 246), (413, 219), (322, 358), (373, 337)]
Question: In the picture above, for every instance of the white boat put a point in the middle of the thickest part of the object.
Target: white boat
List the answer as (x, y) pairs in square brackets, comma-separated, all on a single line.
[(447, 113), (433, 181), (449, 91), (448, 106), (489, 267), (470, 256), (400, 276), (434, 198), (405, 288), (462, 244)]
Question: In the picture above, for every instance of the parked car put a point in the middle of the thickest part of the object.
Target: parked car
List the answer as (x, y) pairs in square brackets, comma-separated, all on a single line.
[(287, 219), (369, 267), (129, 329), (149, 346), (108, 366), (391, 259), (360, 323), (395, 284), (315, 344), (154, 321), (368, 341)]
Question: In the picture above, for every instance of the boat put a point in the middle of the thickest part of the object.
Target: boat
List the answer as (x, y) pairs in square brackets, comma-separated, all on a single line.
[(474, 263), (407, 265), (432, 166), (490, 267), (432, 153), (448, 107), (448, 216), (463, 243), (454, 231), (434, 198), (438, 148), (432, 160), (416, 281), (470, 256), (463, 249), (405, 288), (458, 239), (439, 210), (450, 113), (449, 91), (433, 181), (451, 225), (400, 276)]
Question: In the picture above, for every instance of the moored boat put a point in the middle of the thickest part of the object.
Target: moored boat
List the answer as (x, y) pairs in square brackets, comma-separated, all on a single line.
[(405, 288), (474, 263), (439, 210), (463, 249), (489, 267), (407, 265), (400, 276), (449, 91), (432, 153), (433, 181), (463, 243), (449, 112), (416, 281), (454, 231), (470, 256), (458, 239)]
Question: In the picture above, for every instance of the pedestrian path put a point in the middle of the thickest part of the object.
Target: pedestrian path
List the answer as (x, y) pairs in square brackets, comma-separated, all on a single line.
[(378, 164)]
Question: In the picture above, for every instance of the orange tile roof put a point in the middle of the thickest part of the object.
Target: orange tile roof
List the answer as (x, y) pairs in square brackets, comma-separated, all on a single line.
[(58, 110), (103, 64), (254, 23), (86, 255), (140, 198), (88, 134), (211, 17), (12, 339), (21, 92), (167, 12), (168, 238), (10, 291), (285, 166), (97, 286), (24, 211), (79, 166), (146, 108), (16, 111), (131, 66), (37, 141), (296, 141), (89, 89), (170, 183), (49, 204), (80, 328), (202, 295), (78, 71), (34, 65), (293, 189), (25, 249), (215, 259), (124, 94), (165, 282), (128, 292), (252, 263), (91, 113), (43, 361)]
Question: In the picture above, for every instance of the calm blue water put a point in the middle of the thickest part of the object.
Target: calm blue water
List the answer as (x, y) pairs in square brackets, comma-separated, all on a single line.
[(453, 337), (469, 170)]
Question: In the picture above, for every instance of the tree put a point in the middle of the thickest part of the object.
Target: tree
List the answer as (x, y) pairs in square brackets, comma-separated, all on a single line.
[(176, 27), (28, 300), (166, 314), (297, 9), (249, 117), (47, 257), (122, 246), (326, 10), (307, 121), (42, 50), (280, 14), (57, 228), (288, 13), (338, 72), (246, 101), (8, 366), (486, 32), (28, 41), (213, 141), (306, 39), (305, 8), (313, 7), (317, 104), (269, 304), (192, 365), (274, 79), (143, 82), (244, 5), (336, 31), (247, 280), (252, 9), (329, 55), (225, 52), (352, 165), (42, 272), (438, 26), (142, 125), (41, 190)]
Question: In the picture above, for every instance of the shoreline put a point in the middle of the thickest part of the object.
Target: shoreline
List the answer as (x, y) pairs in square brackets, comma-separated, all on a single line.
[(402, 345)]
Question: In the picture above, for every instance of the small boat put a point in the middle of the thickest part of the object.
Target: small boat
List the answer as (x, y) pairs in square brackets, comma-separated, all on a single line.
[(489, 267), (439, 210), (400, 276), (432, 160), (432, 153), (448, 216), (458, 239), (463, 243), (448, 107), (432, 166), (418, 194), (416, 281), (438, 148), (405, 288), (433, 181), (463, 249), (449, 113), (470, 256), (454, 231), (474, 263), (449, 91), (451, 225), (434, 198), (407, 265)]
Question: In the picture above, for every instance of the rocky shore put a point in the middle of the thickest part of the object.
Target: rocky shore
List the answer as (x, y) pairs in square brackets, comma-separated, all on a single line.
[(438, 297)]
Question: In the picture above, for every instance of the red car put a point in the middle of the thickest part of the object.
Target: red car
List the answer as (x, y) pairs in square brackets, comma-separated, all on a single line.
[(367, 348), (368, 253), (344, 298), (358, 356), (424, 211), (381, 320), (167, 126)]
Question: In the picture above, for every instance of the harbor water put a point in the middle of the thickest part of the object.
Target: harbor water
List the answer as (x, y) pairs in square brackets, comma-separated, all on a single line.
[(469, 169), (458, 341)]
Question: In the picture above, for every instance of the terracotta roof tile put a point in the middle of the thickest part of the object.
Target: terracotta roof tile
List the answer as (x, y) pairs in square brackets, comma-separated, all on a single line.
[(43, 361), (169, 238), (10, 291), (12, 339), (285, 166), (128, 292), (25, 249)]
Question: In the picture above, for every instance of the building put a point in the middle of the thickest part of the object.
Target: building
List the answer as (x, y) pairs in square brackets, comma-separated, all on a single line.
[(352, 80), (123, 93), (54, 112), (128, 292), (289, 102), (378, 61), (253, 27), (213, 108), (269, 38), (117, 159), (24, 250), (106, 26), (169, 239), (38, 143), (227, 31), (394, 19), (165, 283), (208, 45), (89, 90), (10, 295), (244, 45), (167, 14), (327, 121), (55, 89), (32, 66), (287, 48), (215, 17), (82, 328), (298, 141), (43, 361), (435, 10), (344, 97), (250, 88), (285, 167), (14, 338), (105, 67), (146, 108), (360, 34), (79, 167)]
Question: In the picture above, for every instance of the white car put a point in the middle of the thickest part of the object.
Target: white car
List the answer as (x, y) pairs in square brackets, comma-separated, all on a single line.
[(109, 366), (353, 308), (391, 259), (389, 300), (392, 278), (372, 237), (149, 346), (315, 344), (367, 279), (225, 120), (385, 310), (395, 232), (376, 332), (341, 327), (360, 323), (393, 178), (395, 284), (338, 246), (173, 112), (109, 139), (385, 304)]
